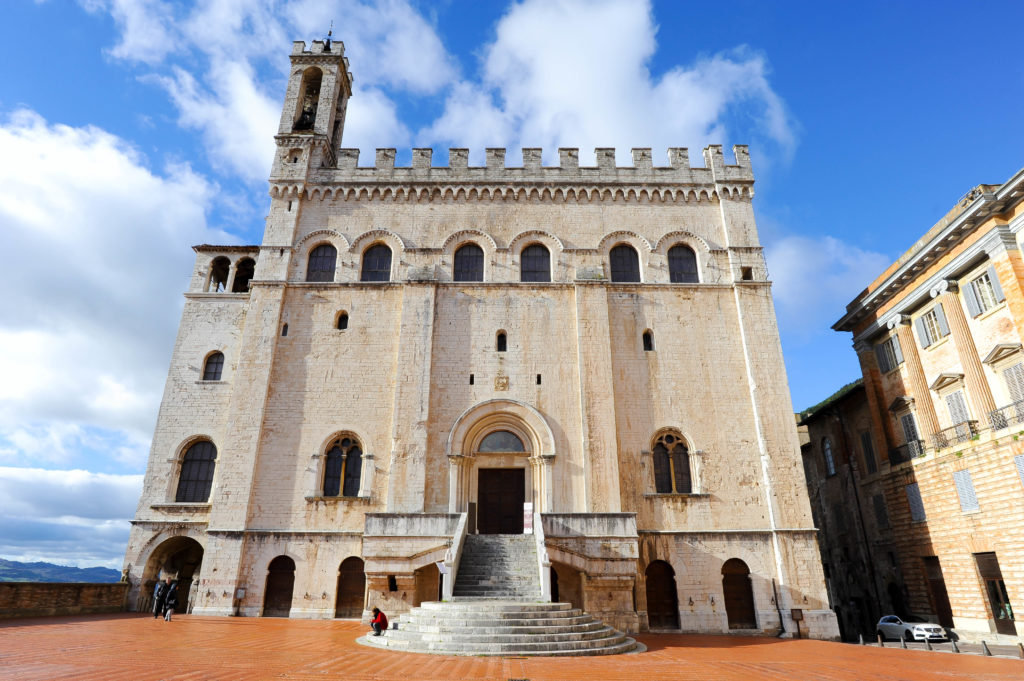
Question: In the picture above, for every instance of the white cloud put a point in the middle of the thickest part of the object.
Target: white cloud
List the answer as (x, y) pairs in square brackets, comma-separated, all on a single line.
[(66, 516), (545, 86), (815, 277), (93, 288)]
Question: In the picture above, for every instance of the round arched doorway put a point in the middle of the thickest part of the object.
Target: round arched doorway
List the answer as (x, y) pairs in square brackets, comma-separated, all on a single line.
[(277, 598), (351, 588), (662, 597), (181, 559), (739, 595)]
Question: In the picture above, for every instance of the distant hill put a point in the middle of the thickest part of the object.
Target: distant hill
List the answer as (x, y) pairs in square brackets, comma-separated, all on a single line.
[(13, 571)]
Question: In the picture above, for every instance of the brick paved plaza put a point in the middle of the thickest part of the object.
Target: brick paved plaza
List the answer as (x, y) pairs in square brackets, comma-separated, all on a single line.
[(139, 648)]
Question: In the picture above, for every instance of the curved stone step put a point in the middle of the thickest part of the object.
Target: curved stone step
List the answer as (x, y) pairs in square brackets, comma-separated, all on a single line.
[(495, 607), (525, 629), (603, 633)]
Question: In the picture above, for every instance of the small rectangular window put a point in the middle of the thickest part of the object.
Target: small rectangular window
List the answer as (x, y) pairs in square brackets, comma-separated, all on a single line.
[(965, 490), (747, 273), (392, 583), (917, 513), (538, 379), (471, 379), (932, 326), (881, 513), (869, 452)]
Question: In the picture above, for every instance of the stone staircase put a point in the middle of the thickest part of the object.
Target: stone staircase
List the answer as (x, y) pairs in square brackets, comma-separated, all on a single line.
[(498, 566), (496, 610), (502, 628)]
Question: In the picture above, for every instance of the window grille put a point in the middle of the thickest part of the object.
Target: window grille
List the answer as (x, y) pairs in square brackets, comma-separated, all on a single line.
[(469, 263), (196, 476), (322, 261), (682, 265), (625, 264), (376, 264), (214, 367), (535, 264)]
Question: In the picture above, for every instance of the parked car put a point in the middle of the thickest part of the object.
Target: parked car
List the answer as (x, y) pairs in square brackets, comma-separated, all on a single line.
[(909, 629)]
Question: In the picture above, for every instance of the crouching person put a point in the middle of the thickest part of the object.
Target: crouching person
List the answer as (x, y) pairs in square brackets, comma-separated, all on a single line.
[(379, 622)]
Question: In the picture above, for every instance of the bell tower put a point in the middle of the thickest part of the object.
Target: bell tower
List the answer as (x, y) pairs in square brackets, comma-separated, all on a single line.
[(313, 117)]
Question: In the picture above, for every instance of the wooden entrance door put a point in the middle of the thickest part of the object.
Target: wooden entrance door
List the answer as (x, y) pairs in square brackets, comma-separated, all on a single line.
[(500, 496), (937, 587), (351, 588), (995, 589), (277, 601), (662, 601), (739, 595)]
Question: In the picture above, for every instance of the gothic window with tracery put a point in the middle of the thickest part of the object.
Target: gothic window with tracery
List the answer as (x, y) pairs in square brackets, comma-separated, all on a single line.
[(671, 465), (343, 467)]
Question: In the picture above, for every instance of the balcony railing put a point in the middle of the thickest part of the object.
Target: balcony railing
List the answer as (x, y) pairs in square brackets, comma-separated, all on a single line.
[(1007, 416), (961, 432), (906, 452)]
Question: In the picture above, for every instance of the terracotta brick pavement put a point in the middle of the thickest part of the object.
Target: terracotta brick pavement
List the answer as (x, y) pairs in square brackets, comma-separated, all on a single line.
[(139, 648)]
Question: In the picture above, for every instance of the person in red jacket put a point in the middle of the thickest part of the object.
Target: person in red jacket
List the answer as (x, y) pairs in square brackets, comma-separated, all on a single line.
[(379, 622)]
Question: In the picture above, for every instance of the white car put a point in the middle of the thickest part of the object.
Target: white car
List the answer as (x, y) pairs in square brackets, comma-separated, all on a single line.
[(909, 629)]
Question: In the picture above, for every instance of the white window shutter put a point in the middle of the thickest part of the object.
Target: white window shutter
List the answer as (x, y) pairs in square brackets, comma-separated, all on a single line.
[(965, 490), (922, 332), (1015, 382), (940, 317), (996, 288), (957, 407), (971, 298)]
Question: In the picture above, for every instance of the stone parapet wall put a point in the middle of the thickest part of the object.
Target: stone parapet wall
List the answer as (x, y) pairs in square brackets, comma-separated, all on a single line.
[(41, 599)]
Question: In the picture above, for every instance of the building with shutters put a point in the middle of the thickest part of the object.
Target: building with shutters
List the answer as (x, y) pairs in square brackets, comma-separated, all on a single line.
[(938, 335), (417, 351)]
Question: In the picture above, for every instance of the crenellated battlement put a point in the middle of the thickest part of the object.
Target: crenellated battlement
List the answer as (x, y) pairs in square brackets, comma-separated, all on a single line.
[(422, 168)]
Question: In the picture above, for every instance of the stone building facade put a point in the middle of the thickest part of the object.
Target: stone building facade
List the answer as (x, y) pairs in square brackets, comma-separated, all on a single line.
[(415, 353), (938, 335), (848, 504)]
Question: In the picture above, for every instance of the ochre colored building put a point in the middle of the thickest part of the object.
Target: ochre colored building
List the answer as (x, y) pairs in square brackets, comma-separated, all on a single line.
[(414, 353), (939, 335)]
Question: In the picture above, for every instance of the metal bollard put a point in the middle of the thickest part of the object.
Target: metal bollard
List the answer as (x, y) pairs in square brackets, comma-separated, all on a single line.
[(861, 638), (956, 648), (1020, 650), (984, 649), (927, 644), (903, 642), (881, 643)]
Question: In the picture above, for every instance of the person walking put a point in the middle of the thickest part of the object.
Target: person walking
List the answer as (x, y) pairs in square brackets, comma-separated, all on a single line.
[(170, 599), (379, 622), (159, 595)]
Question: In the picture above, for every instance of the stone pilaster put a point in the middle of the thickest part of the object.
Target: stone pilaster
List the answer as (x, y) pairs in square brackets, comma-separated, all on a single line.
[(978, 390), (927, 420)]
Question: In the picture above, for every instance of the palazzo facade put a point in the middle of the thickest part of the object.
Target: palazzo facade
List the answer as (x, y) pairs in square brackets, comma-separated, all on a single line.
[(415, 353)]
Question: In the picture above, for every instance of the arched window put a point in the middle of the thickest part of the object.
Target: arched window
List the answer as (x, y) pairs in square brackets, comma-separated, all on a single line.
[(342, 321), (220, 268), (376, 263), (830, 462), (535, 263), (501, 441), (682, 265), (469, 263), (501, 342), (196, 477), (648, 341), (322, 261), (343, 468), (671, 465), (244, 271), (214, 367), (625, 264)]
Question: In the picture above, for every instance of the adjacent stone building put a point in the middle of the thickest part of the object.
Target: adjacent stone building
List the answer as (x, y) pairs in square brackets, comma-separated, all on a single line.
[(848, 504), (938, 335), (413, 353)]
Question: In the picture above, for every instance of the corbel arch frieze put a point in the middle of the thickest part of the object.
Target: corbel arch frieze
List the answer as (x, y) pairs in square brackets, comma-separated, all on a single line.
[(684, 237), (361, 242), (523, 239), (482, 239), (623, 236)]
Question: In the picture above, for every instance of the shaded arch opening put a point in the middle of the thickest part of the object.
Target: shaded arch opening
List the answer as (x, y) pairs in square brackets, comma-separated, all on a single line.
[(181, 559), (351, 592), (277, 597), (662, 596), (220, 270), (501, 342), (342, 321), (309, 99), (245, 269), (739, 594), (648, 340)]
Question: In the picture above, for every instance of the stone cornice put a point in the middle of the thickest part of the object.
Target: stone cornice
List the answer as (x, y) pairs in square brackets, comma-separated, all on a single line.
[(984, 206)]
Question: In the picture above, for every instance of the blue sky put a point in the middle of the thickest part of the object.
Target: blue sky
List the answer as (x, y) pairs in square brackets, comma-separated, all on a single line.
[(133, 129)]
